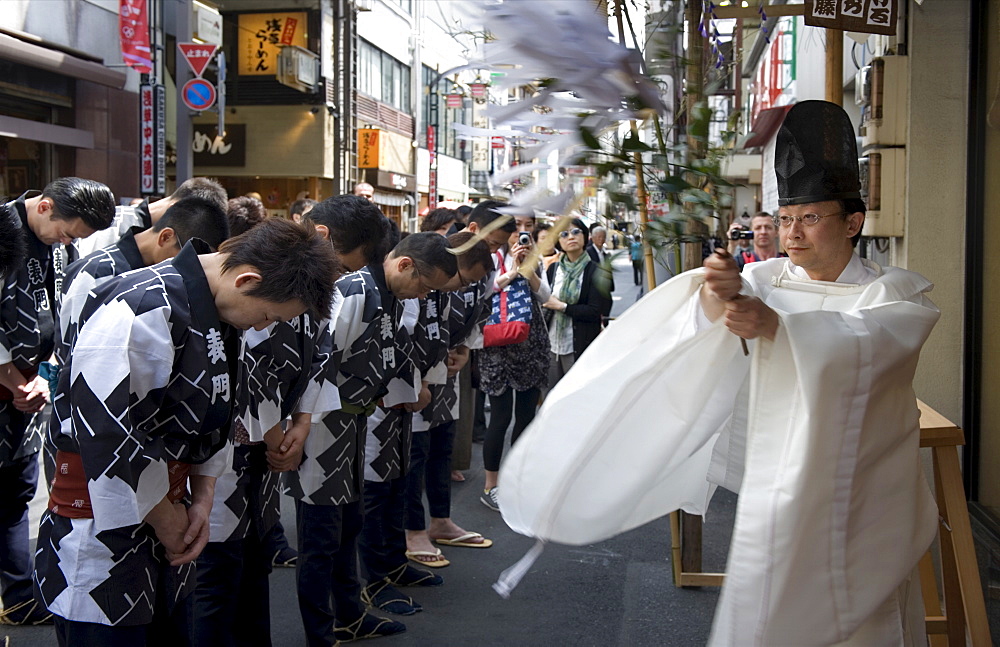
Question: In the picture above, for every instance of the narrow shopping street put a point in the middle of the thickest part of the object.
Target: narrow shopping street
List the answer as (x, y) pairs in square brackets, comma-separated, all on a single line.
[(617, 592)]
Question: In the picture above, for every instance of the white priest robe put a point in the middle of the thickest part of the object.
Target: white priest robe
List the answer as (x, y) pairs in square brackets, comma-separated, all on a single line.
[(820, 428)]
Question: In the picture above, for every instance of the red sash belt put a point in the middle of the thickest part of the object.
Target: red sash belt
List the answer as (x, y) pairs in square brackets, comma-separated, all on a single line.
[(70, 497)]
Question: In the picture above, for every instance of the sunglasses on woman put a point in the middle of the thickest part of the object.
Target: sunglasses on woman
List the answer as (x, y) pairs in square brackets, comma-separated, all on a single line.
[(566, 233)]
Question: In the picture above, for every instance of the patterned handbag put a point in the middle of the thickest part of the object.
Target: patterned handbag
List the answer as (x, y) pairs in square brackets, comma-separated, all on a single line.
[(510, 320)]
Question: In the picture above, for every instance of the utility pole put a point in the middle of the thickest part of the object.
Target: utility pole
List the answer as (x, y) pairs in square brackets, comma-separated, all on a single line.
[(184, 167)]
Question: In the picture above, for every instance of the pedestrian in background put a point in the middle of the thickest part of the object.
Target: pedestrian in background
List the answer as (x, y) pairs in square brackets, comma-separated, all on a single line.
[(576, 303)]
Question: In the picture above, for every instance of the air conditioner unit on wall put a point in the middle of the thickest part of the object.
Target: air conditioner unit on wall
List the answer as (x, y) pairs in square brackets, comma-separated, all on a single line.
[(883, 96), (298, 68), (883, 188)]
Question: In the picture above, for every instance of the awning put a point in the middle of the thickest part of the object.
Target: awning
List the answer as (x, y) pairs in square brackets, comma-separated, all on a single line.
[(25, 53), (391, 199), (764, 128), (42, 132)]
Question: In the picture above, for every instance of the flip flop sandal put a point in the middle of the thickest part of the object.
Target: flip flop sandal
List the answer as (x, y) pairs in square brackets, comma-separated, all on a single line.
[(464, 542), (438, 562)]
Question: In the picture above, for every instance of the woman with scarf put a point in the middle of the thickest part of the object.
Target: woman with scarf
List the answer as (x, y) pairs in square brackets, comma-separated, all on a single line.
[(576, 303)]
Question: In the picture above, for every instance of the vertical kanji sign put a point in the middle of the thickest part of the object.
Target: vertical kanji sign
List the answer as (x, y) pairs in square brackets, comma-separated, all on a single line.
[(147, 149), (152, 138), (432, 182)]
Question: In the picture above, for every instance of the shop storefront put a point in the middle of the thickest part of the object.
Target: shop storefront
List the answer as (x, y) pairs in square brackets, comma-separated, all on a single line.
[(63, 113)]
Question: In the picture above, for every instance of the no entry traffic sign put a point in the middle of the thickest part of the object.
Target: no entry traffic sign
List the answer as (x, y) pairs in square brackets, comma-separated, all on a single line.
[(198, 94)]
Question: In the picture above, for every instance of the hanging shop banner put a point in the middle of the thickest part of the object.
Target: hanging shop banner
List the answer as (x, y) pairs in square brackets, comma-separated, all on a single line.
[(368, 147), (261, 37), (133, 29), (865, 16)]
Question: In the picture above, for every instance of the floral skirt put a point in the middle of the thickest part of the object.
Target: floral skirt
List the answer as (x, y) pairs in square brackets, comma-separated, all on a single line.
[(517, 366)]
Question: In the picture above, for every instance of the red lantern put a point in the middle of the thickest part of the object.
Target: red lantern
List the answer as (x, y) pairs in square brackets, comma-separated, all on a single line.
[(478, 89), (453, 100)]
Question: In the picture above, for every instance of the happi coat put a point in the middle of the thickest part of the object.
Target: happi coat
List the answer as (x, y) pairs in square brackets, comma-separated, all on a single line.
[(461, 320), (27, 333), (820, 437), (283, 370), (364, 319), (87, 273), (148, 382)]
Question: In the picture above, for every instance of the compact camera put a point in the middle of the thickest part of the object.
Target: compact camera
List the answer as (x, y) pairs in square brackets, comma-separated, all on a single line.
[(524, 238), (740, 234)]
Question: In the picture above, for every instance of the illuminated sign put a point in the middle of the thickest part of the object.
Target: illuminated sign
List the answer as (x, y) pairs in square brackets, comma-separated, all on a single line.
[(261, 37)]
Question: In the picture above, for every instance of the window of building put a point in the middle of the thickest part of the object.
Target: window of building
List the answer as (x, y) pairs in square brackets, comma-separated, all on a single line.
[(382, 77), (447, 142)]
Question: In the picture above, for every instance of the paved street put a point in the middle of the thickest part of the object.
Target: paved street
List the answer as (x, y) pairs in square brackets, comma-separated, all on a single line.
[(618, 592)]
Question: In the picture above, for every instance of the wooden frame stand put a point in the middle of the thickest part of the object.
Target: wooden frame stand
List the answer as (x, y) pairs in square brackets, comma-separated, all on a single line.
[(964, 608)]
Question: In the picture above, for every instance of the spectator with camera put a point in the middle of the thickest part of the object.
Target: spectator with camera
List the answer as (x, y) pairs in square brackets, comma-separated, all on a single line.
[(513, 374), (763, 236)]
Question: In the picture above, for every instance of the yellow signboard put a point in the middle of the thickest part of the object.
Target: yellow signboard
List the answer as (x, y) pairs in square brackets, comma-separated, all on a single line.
[(261, 36), (368, 148)]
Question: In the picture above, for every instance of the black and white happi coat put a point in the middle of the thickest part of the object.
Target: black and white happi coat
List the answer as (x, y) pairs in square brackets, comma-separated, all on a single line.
[(467, 312), (86, 274), (284, 369), (364, 319), (27, 333), (387, 447), (431, 341), (148, 381)]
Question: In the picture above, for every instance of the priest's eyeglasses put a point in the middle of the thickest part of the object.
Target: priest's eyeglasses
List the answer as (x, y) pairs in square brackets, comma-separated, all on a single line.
[(808, 220), (566, 233)]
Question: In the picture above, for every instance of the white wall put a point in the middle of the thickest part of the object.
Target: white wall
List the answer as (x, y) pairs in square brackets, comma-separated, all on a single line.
[(934, 244)]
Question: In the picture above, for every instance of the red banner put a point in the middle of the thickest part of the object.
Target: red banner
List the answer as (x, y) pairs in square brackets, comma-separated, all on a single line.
[(133, 27), (432, 181)]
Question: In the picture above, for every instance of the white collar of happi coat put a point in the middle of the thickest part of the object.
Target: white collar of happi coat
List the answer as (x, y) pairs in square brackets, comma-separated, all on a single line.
[(858, 272)]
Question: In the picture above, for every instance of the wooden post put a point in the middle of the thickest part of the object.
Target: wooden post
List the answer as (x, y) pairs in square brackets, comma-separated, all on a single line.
[(835, 66)]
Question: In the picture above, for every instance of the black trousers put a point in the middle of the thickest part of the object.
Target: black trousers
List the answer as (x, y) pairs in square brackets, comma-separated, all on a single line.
[(231, 603), (17, 487), (382, 546), (326, 575), (430, 468), (522, 404)]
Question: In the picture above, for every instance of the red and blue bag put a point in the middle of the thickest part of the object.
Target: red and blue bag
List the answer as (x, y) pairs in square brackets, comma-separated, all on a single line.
[(510, 320)]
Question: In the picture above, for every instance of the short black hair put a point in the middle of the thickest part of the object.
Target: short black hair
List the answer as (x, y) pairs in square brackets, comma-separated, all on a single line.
[(196, 218), (479, 254), (428, 251), (300, 207), (853, 205), (540, 226), (579, 224), (244, 213), (75, 197), (354, 222), (201, 187), (293, 262), (13, 246), (438, 218), (485, 212), (463, 211)]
